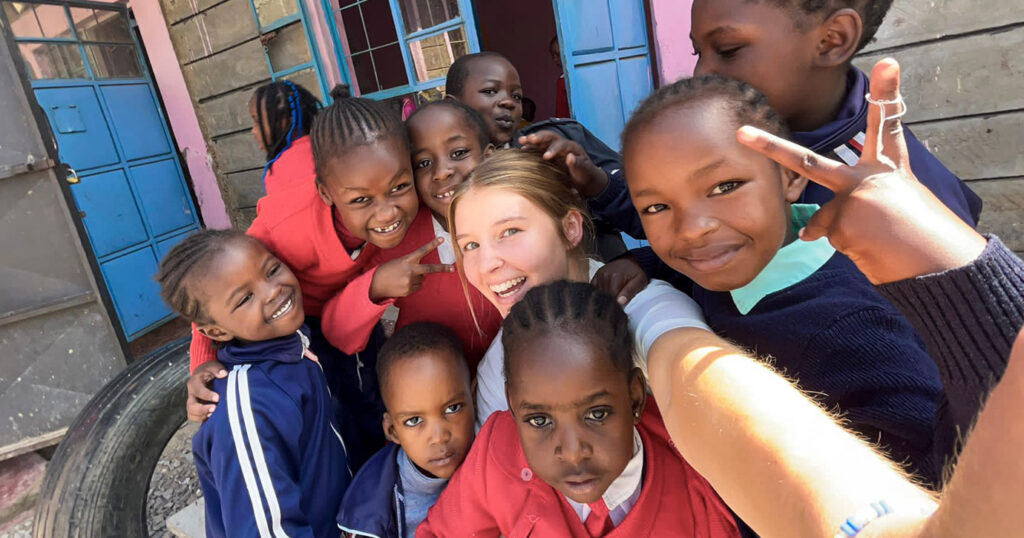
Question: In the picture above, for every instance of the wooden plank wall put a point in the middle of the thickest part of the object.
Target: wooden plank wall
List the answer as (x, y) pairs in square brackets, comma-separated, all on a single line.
[(218, 45), (963, 82)]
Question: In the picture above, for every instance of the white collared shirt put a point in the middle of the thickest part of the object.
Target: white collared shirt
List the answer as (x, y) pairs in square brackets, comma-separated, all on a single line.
[(446, 250), (624, 491)]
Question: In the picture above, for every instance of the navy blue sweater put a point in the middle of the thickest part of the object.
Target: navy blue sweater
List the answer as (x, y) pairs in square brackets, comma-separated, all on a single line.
[(373, 504), (270, 460), (840, 340)]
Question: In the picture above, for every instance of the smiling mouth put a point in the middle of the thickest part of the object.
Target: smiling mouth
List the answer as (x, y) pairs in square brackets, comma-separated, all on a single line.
[(285, 308), (508, 287), (712, 260), (387, 229), (445, 196)]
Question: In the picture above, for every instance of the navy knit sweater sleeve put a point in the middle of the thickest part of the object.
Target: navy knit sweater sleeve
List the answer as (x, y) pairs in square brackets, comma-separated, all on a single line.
[(968, 318)]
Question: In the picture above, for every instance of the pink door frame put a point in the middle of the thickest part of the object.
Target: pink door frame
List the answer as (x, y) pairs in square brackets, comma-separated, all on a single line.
[(674, 53)]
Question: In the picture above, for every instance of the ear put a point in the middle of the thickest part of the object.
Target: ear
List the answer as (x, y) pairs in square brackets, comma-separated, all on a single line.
[(572, 225), (215, 332), (637, 394), (489, 149), (450, 96), (838, 37), (793, 184), (321, 189), (389, 429)]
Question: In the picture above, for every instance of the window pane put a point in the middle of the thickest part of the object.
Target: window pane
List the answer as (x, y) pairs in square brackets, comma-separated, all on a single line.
[(272, 10), (288, 47), (100, 25), (390, 67), (380, 26), (113, 61), (52, 60), (362, 64), (37, 20), (352, 19), (307, 79), (433, 55), (420, 14)]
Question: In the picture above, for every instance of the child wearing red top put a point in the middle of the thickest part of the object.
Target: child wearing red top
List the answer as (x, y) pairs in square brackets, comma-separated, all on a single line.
[(578, 454)]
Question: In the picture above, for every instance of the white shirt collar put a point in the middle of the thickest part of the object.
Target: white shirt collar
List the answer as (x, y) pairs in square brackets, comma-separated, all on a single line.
[(622, 494), (445, 251)]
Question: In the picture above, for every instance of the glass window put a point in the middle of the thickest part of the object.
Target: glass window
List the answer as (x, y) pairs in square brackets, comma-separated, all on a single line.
[(287, 47), (270, 11), (100, 25), (433, 55), (52, 60), (113, 61), (37, 20), (422, 14)]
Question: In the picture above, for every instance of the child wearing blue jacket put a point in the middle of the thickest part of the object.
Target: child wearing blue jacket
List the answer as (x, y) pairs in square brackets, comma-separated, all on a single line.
[(429, 420), (270, 460)]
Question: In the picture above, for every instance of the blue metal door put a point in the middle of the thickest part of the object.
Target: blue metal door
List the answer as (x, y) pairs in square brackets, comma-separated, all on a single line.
[(127, 183), (606, 60)]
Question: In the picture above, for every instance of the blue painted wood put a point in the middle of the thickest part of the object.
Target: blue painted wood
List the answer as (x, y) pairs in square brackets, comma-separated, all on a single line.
[(136, 120), (130, 281), (111, 215), (79, 125), (163, 198), (607, 63)]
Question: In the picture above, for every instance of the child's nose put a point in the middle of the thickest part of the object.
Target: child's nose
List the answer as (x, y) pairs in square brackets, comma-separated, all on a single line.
[(694, 225), (439, 434), (571, 447), (507, 102), (444, 171)]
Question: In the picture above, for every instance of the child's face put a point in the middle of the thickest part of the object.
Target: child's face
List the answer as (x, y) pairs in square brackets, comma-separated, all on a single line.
[(509, 245), (575, 413), (760, 44), (249, 294), (372, 188), (711, 208), (492, 88), (430, 411), (444, 151)]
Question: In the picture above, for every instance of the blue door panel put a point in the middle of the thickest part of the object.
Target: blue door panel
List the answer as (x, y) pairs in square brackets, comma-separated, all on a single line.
[(110, 214), (136, 120), (135, 293), (597, 99), (634, 82), (594, 29), (164, 199), (630, 30), (79, 125), (165, 246)]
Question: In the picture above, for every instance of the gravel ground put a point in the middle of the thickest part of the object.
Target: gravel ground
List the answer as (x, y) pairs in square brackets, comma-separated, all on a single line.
[(175, 484)]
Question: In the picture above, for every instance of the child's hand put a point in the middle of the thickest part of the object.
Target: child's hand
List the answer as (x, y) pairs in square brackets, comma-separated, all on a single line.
[(588, 179), (882, 217), (622, 277), (201, 399), (403, 276)]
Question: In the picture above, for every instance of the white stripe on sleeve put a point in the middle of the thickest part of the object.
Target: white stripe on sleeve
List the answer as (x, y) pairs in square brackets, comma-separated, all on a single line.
[(243, 454), (848, 156), (257, 453)]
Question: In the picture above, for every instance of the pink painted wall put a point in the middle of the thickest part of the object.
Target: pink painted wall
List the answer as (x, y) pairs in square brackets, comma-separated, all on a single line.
[(672, 39), (180, 112)]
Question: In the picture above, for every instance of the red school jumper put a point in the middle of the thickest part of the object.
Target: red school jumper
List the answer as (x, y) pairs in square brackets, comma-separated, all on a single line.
[(495, 493), (296, 225), (293, 167), (441, 299)]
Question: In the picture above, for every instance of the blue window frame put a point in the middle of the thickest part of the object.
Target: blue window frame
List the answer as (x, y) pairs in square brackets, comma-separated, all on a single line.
[(396, 47), (288, 43)]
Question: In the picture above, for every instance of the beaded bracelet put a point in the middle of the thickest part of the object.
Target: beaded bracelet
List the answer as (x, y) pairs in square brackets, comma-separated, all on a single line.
[(855, 523)]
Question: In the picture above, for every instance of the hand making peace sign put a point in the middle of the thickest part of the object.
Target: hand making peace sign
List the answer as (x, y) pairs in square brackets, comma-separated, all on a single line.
[(403, 276)]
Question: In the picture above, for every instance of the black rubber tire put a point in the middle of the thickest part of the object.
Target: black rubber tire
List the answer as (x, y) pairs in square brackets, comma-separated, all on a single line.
[(97, 481)]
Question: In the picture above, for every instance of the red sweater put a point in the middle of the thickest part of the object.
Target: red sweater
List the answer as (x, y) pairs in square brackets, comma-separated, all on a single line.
[(441, 300), (294, 167), (495, 493)]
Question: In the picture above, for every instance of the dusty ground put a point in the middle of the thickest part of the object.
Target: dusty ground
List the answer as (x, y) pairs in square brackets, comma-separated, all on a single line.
[(175, 484)]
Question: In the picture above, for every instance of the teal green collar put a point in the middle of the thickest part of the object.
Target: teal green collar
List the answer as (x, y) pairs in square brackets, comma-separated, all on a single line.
[(791, 264)]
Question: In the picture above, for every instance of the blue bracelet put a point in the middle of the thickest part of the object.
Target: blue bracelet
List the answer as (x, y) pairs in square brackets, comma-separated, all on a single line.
[(856, 523)]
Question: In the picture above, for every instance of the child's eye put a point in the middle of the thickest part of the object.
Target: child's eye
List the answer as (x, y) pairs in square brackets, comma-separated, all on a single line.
[(274, 269), (470, 245), (655, 208), (599, 414), (412, 422), (243, 301), (422, 164), (517, 96), (725, 187), (452, 409), (510, 232), (460, 153), (538, 421), (489, 91), (400, 187), (359, 200), (728, 52)]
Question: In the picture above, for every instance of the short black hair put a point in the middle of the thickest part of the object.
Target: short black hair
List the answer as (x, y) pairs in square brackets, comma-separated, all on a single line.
[(351, 122), (187, 260), (415, 339), (747, 105), (569, 308), (872, 12), (458, 72), (282, 101), (470, 117)]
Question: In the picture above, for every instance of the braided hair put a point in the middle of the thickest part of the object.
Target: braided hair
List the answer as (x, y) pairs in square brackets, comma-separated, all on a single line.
[(350, 122), (187, 260), (470, 117), (570, 308), (872, 12), (275, 103), (747, 105), (458, 72)]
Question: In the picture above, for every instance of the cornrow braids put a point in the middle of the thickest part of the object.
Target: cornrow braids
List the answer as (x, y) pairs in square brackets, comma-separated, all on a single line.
[(747, 105), (350, 122), (458, 72), (187, 260), (470, 117), (288, 109), (872, 12), (417, 339), (573, 308)]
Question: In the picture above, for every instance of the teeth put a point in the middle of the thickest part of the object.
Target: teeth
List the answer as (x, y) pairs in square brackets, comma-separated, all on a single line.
[(503, 288), (445, 195), (389, 228), (284, 308)]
